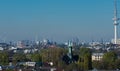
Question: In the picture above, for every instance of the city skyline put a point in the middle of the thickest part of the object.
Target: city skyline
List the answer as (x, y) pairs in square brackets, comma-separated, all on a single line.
[(57, 20)]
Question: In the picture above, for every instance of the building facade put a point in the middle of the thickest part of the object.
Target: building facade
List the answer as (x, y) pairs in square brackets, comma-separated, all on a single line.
[(97, 56)]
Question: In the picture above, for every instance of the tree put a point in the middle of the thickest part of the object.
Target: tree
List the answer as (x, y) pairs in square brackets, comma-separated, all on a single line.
[(109, 58), (100, 65), (117, 64), (53, 55), (36, 57), (71, 67), (19, 58), (87, 61), (4, 58), (84, 62)]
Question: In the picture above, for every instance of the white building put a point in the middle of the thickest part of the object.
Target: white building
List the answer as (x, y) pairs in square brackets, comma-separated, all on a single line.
[(1, 48), (13, 48), (117, 41), (32, 64), (97, 56), (0, 68)]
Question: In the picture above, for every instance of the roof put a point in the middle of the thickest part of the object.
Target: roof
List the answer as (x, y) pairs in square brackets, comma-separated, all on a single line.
[(97, 54)]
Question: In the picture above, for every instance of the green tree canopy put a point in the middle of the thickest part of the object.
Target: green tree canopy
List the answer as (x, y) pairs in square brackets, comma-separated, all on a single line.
[(36, 57), (19, 57), (53, 55), (4, 58), (83, 51), (85, 59), (109, 59)]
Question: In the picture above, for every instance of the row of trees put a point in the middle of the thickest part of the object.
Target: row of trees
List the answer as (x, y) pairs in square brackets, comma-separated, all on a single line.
[(55, 55), (45, 55)]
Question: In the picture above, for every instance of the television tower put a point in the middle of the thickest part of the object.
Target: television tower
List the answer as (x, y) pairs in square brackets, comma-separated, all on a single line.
[(115, 19)]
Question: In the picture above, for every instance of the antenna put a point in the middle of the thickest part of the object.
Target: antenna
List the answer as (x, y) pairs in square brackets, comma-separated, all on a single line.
[(115, 10)]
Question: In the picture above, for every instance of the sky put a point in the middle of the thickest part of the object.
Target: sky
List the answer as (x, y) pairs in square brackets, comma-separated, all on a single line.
[(57, 20)]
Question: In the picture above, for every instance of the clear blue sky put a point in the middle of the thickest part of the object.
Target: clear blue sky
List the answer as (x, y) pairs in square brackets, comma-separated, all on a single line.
[(58, 20)]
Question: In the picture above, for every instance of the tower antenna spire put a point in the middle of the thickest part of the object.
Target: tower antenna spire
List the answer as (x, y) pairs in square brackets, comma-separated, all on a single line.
[(115, 9), (115, 19)]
